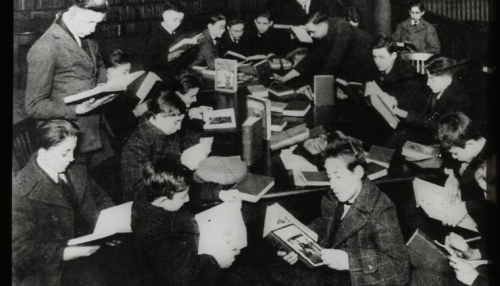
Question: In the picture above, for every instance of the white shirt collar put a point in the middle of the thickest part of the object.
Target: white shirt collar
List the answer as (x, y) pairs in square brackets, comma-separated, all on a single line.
[(52, 174), (70, 28), (167, 29), (414, 22), (307, 5)]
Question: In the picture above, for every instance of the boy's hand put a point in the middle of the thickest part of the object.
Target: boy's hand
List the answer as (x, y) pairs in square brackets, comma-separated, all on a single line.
[(291, 257), (196, 113), (465, 272), (92, 104), (461, 247), (74, 252), (335, 259), (174, 55)]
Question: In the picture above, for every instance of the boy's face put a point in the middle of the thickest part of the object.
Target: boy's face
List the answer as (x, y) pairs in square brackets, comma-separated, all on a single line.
[(172, 19), (218, 28), (118, 72), (345, 184), (168, 124), (383, 60), (236, 31), (416, 14), (60, 156), (317, 31), (465, 154), (189, 97), (302, 2), (438, 83), (173, 204), (263, 24), (86, 21)]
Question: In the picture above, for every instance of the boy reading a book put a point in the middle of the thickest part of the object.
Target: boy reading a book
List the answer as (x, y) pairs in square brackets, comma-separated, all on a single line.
[(418, 31), (209, 42), (358, 228), (167, 233), (264, 38), (234, 38), (156, 137)]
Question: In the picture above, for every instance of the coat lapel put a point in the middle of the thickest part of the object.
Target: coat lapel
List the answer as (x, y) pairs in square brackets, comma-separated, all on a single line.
[(68, 42)]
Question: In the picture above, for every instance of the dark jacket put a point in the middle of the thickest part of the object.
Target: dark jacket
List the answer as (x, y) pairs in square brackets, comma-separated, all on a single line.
[(119, 117), (405, 84), (58, 67), (272, 41), (148, 143), (42, 221), (423, 36), (155, 52), (454, 98), (291, 13), (168, 246), (370, 234), (344, 52), (227, 44), (208, 51)]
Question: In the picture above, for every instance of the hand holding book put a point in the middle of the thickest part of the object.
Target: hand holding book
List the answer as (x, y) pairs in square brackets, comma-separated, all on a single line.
[(335, 258), (92, 104)]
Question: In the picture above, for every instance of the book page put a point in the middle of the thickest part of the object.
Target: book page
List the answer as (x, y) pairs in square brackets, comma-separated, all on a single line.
[(185, 41), (147, 84), (277, 217), (302, 34)]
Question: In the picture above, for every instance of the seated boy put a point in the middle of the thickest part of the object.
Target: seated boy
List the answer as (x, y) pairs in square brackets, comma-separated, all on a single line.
[(264, 39), (418, 31), (234, 38), (156, 137), (167, 233), (209, 42)]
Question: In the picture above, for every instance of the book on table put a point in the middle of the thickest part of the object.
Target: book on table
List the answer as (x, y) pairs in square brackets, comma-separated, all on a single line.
[(280, 89), (226, 79), (103, 90), (264, 72), (324, 90), (243, 59), (278, 106), (286, 233), (289, 137), (254, 186), (384, 110), (112, 223), (219, 119), (297, 108), (278, 124), (380, 155), (280, 64), (317, 179), (260, 107), (375, 171), (257, 90), (416, 151), (221, 228), (252, 139), (425, 254), (354, 90)]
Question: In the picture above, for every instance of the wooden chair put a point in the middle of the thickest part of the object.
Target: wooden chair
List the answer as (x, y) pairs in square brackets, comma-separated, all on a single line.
[(23, 143), (417, 60)]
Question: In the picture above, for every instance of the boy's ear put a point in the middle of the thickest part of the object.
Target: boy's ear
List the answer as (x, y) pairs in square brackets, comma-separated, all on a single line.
[(359, 172), (423, 12), (271, 23)]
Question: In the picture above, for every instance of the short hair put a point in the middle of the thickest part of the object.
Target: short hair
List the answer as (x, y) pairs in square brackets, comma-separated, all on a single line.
[(318, 17), (174, 6), (349, 150), (186, 80), (216, 18), (455, 129), (382, 41), (100, 6), (352, 14), (165, 101), (52, 132), (438, 65), (235, 22), (163, 178), (264, 14), (116, 58), (416, 3)]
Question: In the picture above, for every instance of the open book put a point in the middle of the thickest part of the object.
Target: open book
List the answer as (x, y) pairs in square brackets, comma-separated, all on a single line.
[(302, 34), (219, 119), (241, 58), (185, 43), (103, 90), (111, 221)]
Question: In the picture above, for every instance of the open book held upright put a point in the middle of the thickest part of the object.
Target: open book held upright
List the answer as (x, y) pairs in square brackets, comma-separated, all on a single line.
[(185, 43)]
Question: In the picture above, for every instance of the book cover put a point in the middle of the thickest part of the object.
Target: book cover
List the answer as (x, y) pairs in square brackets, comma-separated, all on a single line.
[(252, 140), (219, 119), (280, 64), (257, 90), (424, 254), (278, 124), (226, 75), (278, 106), (324, 90), (291, 238), (254, 186), (315, 178), (147, 86), (386, 112), (260, 107), (380, 155), (296, 108), (264, 72), (280, 89), (220, 227), (419, 151), (289, 137), (110, 223), (375, 171)]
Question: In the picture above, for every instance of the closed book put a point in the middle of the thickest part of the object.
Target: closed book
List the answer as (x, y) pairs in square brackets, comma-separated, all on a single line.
[(324, 90), (278, 124), (315, 178), (257, 90), (375, 171), (291, 238), (425, 254), (289, 137), (260, 107), (219, 119), (264, 72), (278, 106), (384, 110), (252, 139), (419, 151), (380, 155), (254, 186), (280, 89), (296, 108), (226, 75)]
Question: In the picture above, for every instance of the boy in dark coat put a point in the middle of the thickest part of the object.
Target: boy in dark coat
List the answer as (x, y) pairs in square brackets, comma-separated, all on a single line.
[(209, 42)]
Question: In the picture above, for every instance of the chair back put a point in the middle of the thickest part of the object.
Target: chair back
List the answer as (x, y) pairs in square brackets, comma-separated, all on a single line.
[(417, 60), (23, 142)]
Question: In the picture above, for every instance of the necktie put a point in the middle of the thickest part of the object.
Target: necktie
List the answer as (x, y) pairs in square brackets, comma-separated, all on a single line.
[(414, 23), (382, 77), (433, 101)]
